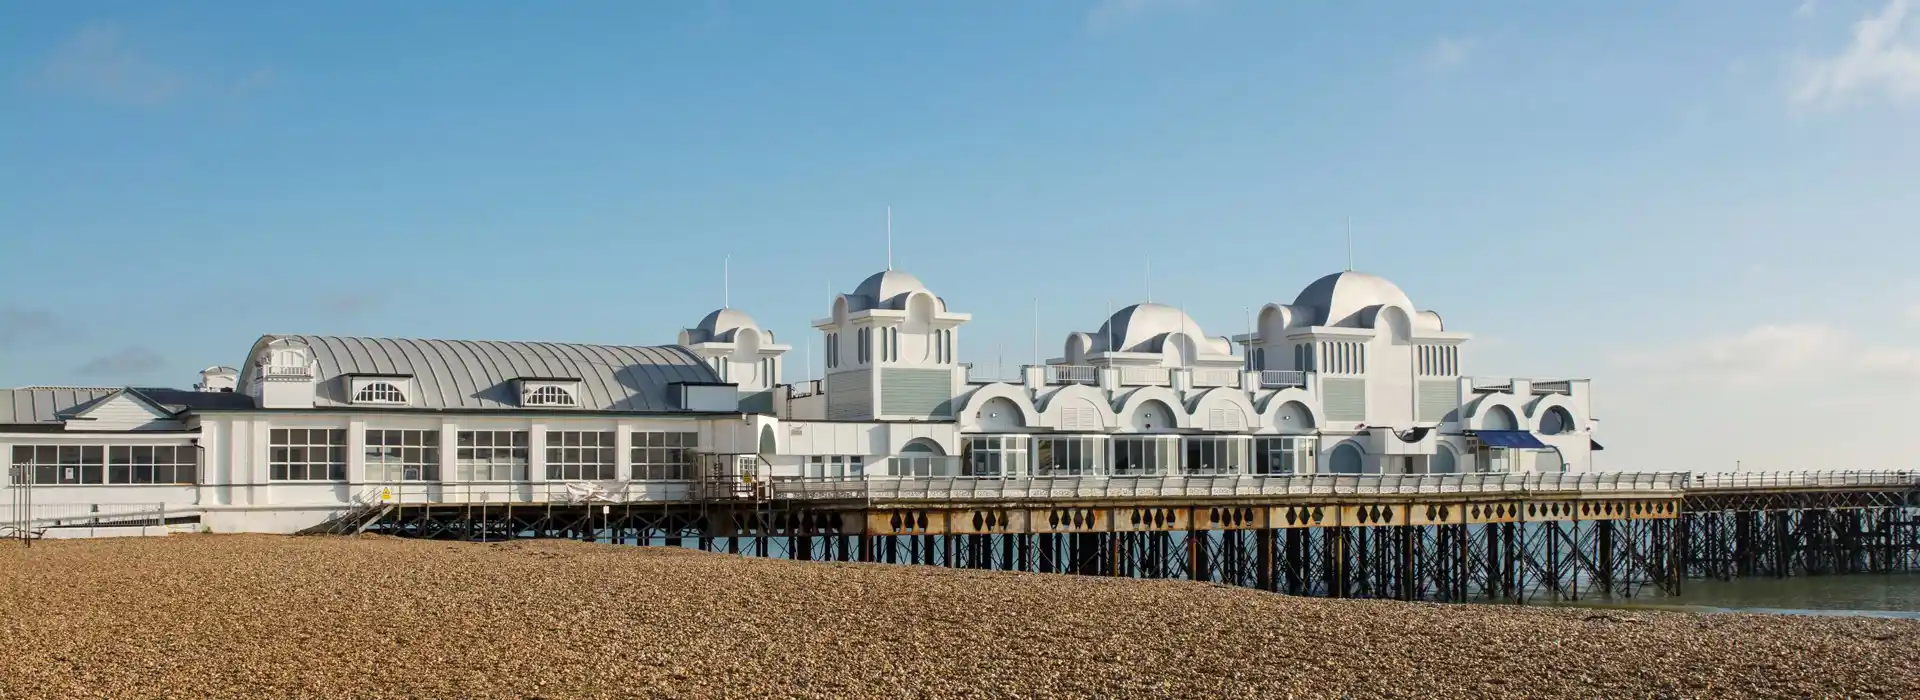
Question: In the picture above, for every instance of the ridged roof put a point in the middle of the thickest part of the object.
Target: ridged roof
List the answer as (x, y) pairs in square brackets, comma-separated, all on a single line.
[(53, 404), (480, 373)]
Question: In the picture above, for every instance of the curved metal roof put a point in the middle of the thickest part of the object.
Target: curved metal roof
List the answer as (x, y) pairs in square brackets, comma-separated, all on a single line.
[(1338, 297), (480, 373)]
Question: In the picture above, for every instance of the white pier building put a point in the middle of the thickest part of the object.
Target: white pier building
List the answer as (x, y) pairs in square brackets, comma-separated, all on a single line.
[(1350, 377)]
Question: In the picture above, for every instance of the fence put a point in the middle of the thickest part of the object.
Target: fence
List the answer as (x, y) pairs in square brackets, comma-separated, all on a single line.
[(1804, 479), (995, 489), (52, 515)]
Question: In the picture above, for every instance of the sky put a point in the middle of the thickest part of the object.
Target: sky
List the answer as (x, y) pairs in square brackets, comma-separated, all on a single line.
[(1709, 207)]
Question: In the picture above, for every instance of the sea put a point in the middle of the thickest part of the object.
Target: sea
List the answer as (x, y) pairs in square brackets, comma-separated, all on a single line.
[(1864, 595)]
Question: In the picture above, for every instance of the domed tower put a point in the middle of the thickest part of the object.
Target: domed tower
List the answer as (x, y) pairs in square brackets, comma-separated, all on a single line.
[(1381, 361), (892, 351), (1149, 334), (740, 352)]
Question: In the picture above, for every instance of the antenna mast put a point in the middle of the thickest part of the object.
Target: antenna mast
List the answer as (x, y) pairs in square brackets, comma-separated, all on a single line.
[(1349, 242), (889, 237), (726, 282)]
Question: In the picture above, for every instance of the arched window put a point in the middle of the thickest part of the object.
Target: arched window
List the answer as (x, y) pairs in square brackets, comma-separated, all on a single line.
[(1443, 461), (1556, 421), (550, 396), (1345, 459), (380, 392)]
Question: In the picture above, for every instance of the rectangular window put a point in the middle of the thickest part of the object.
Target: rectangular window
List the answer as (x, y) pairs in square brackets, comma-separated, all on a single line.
[(64, 464), (835, 466), (1144, 456), (490, 455), (307, 454), (1282, 455), (1068, 456), (995, 456), (151, 464), (1214, 455), (403, 455), (663, 456), (575, 455)]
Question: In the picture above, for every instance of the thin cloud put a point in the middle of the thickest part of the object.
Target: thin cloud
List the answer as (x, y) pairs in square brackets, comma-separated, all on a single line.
[(22, 324), (99, 62), (1806, 9), (1108, 14), (1450, 54), (128, 362), (1813, 355), (1881, 57)]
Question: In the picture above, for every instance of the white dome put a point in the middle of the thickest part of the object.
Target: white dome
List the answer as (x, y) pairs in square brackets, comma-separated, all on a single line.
[(884, 289), (1141, 327), (1339, 298), (721, 325)]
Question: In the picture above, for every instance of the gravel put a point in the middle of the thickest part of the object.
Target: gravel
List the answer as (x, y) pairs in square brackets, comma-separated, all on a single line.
[(204, 616)]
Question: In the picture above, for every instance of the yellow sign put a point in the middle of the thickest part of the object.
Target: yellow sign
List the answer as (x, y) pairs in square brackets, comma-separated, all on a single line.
[(386, 494)]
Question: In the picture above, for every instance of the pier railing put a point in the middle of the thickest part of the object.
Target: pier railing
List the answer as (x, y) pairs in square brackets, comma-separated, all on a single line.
[(962, 488), (1802, 479)]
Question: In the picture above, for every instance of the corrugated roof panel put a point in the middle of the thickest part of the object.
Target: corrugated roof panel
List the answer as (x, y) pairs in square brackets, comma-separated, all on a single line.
[(479, 373)]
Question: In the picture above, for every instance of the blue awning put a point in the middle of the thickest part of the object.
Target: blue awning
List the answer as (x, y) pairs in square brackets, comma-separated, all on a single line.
[(1512, 439), (1595, 444)]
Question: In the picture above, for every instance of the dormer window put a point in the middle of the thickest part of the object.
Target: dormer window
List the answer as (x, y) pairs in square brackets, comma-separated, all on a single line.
[(549, 392), (551, 395), (381, 390)]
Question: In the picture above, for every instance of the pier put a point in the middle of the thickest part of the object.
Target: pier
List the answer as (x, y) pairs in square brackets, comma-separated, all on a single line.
[(1451, 537)]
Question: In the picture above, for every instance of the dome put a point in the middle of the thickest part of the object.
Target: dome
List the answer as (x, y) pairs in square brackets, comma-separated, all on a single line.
[(1139, 328), (883, 288), (1337, 298), (721, 324)]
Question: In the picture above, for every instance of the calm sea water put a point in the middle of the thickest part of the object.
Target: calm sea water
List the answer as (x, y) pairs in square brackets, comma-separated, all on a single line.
[(1896, 595)]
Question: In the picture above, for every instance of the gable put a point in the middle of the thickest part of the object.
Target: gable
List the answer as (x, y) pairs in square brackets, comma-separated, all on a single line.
[(122, 411)]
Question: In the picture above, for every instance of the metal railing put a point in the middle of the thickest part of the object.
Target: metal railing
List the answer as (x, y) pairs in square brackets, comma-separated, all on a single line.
[(1501, 384), (1145, 376), (1282, 379), (1803, 479), (989, 375), (52, 515), (1215, 377), (1071, 374), (1562, 387), (809, 387), (961, 488)]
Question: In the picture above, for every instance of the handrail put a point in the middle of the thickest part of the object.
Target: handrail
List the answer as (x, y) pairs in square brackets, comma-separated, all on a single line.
[(962, 488), (1071, 374), (88, 514), (1282, 379), (1803, 479), (1214, 376)]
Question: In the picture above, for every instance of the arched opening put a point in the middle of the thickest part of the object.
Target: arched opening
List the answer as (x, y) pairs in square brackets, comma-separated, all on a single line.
[(1346, 459), (550, 396), (921, 458), (1443, 461), (1556, 421), (1293, 418), (999, 414), (768, 447), (380, 392), (1500, 418), (1153, 416)]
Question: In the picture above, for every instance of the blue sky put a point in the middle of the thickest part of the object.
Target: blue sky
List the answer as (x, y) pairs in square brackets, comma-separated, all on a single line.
[(1708, 206)]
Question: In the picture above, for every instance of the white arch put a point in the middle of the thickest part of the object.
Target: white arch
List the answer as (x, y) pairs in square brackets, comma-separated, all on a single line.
[(1445, 460), (973, 402), (1538, 408), (1273, 405), (1476, 411), (1201, 409), (1073, 396), (1130, 406)]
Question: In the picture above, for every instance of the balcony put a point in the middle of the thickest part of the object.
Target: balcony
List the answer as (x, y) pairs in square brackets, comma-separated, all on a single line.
[(1145, 376), (1282, 379), (1071, 374), (989, 375), (1203, 378)]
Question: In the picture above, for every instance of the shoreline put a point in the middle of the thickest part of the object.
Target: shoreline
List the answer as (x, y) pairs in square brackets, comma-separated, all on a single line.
[(261, 615)]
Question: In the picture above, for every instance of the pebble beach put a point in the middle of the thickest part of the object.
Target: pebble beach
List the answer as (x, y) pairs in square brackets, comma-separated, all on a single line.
[(243, 616)]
